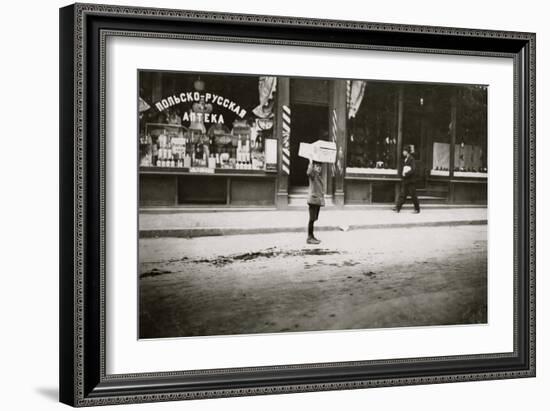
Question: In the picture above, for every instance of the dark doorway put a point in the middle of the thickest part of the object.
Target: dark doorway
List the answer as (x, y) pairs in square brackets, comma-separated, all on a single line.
[(309, 124)]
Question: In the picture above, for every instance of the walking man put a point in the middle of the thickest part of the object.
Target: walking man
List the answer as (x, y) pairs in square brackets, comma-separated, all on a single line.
[(408, 184)]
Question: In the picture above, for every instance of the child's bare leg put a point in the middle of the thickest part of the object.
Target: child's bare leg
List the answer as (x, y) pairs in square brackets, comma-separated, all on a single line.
[(313, 216)]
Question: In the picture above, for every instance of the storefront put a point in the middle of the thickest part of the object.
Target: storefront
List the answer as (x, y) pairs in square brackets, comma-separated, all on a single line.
[(444, 125), (207, 140), (232, 141)]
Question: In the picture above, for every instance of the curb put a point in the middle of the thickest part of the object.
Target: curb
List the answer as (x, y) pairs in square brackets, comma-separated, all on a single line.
[(214, 232), (291, 208)]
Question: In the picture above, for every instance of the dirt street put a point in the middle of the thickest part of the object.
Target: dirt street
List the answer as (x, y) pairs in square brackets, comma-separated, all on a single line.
[(277, 283)]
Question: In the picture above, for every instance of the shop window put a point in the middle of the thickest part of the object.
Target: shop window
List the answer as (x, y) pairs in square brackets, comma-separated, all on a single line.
[(372, 125), (437, 104), (413, 127), (432, 119), (206, 122), (169, 146), (470, 157), (470, 134)]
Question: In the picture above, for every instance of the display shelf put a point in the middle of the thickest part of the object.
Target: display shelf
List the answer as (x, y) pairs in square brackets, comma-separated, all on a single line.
[(198, 171)]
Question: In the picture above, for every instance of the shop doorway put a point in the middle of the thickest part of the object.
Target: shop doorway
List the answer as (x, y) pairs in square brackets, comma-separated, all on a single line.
[(309, 124)]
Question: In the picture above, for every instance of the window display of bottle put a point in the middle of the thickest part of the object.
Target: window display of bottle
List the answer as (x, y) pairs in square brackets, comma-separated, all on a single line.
[(198, 155)]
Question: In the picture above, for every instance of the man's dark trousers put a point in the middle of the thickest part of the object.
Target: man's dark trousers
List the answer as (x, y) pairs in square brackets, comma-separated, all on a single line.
[(408, 188)]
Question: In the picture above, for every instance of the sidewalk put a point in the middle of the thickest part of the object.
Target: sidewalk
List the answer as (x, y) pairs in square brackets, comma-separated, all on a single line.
[(201, 224)]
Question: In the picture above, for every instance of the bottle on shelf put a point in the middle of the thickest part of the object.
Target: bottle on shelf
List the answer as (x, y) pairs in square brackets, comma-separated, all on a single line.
[(212, 161)]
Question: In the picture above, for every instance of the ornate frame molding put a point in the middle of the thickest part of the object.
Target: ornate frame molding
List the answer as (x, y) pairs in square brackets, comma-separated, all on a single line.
[(76, 388)]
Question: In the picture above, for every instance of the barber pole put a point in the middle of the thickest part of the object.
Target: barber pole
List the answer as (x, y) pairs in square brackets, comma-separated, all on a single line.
[(348, 93), (285, 147), (334, 138)]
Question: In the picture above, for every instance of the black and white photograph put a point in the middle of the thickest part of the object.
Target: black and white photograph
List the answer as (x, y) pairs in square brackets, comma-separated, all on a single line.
[(283, 204), (283, 199), (266, 206)]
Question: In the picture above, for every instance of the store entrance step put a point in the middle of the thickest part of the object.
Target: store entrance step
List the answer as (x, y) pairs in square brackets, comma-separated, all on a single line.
[(297, 190)]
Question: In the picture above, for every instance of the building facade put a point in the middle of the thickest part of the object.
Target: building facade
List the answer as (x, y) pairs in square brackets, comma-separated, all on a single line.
[(233, 140)]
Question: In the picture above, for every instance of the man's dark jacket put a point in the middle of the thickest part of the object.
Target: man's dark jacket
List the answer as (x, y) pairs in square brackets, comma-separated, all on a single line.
[(409, 161)]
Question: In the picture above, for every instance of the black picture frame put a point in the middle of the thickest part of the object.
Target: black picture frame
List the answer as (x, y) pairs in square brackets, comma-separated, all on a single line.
[(83, 29)]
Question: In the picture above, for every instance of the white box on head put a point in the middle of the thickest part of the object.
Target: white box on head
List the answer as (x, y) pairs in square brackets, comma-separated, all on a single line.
[(321, 151)]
